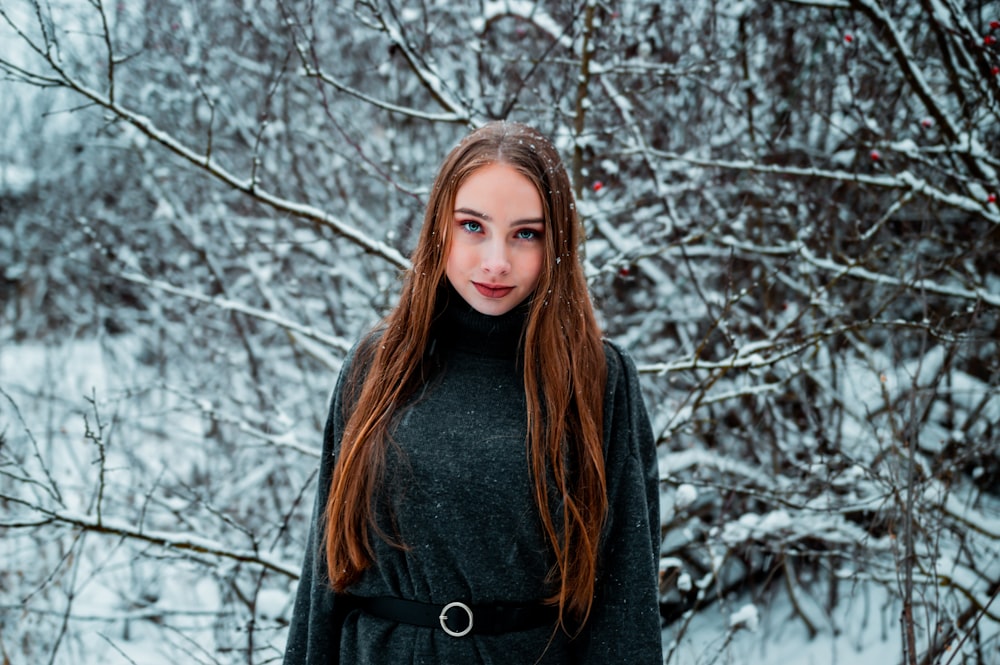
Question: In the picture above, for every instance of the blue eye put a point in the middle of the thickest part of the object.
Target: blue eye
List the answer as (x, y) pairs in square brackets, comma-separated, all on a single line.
[(471, 226), (528, 234)]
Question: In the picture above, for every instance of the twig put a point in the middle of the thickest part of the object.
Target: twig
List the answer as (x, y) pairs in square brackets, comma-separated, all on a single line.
[(52, 489), (97, 438)]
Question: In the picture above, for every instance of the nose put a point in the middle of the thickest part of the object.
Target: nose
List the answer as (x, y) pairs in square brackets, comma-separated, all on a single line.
[(495, 259)]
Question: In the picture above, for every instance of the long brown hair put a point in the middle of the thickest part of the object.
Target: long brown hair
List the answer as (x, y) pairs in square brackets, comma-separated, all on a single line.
[(564, 376)]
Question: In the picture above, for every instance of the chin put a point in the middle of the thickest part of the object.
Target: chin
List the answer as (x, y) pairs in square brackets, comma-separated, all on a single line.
[(492, 308), (489, 306)]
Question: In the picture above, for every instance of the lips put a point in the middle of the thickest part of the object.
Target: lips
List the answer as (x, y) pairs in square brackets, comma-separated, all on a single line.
[(492, 290)]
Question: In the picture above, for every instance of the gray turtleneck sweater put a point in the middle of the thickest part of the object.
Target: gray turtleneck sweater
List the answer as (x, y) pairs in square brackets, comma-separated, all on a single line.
[(459, 487)]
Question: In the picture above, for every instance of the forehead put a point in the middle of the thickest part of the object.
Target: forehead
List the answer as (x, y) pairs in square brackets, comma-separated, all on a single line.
[(499, 191)]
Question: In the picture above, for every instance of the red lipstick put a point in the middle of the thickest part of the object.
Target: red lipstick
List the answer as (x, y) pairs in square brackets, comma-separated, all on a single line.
[(493, 290)]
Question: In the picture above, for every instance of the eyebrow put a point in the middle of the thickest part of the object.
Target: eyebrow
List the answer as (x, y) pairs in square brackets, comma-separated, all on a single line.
[(486, 218)]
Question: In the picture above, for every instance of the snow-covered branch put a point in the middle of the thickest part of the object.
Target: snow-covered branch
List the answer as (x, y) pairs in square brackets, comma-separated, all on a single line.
[(900, 181), (225, 304), (426, 72), (180, 542)]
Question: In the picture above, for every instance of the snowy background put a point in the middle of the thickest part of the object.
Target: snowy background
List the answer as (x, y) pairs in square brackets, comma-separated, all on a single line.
[(793, 227)]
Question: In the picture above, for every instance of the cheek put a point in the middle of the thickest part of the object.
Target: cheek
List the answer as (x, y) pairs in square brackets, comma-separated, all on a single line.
[(536, 264), (457, 254), (460, 256)]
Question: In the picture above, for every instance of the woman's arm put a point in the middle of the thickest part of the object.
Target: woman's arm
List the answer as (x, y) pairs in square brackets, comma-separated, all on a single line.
[(624, 625), (314, 634), (312, 638)]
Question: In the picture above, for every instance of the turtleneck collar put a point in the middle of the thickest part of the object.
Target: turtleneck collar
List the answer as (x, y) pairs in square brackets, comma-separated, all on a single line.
[(461, 327)]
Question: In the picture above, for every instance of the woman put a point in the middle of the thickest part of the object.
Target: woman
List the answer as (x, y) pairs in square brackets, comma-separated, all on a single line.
[(488, 486)]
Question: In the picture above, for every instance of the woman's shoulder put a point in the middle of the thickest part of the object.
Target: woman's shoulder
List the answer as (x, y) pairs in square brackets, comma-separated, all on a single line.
[(622, 392), (619, 362), (627, 427), (363, 350), (354, 367)]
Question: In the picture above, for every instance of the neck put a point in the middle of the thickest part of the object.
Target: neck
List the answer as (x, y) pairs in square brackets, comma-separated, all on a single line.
[(461, 327)]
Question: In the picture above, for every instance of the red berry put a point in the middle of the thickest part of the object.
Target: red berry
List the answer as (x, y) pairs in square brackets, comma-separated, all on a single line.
[(927, 123), (875, 155), (994, 25), (989, 40), (598, 185), (995, 70), (624, 271), (848, 38), (992, 198)]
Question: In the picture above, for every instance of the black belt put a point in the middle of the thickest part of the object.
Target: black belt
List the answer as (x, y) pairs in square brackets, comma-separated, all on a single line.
[(456, 618)]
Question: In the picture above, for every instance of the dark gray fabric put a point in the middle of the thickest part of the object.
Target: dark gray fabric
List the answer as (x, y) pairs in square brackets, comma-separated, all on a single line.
[(459, 489)]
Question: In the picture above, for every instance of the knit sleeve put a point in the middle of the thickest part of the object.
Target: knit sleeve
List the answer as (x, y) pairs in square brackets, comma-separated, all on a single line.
[(624, 625), (314, 634)]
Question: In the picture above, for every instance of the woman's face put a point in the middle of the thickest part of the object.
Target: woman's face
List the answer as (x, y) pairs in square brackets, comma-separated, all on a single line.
[(497, 246)]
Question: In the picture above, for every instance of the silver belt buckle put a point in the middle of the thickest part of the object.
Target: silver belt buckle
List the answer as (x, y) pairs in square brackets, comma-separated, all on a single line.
[(444, 619)]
